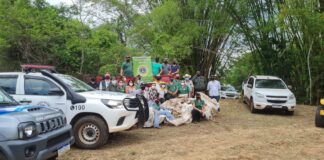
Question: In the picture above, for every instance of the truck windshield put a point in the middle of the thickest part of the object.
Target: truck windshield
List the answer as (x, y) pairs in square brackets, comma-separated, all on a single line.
[(6, 100), (270, 83), (75, 84), (228, 88)]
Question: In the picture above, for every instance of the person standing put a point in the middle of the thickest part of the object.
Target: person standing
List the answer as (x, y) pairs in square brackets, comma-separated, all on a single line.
[(213, 88), (198, 109), (104, 84), (166, 68), (175, 68), (113, 86), (93, 83), (156, 67), (127, 68), (199, 82), (189, 83)]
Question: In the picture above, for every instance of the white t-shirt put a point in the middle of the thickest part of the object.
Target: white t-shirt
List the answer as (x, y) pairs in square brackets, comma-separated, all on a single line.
[(213, 88)]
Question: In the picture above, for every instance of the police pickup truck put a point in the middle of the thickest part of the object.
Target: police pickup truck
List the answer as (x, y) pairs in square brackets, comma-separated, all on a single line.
[(32, 132), (93, 114)]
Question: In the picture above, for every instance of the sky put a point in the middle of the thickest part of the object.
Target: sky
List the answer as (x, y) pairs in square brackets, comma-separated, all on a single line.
[(57, 2)]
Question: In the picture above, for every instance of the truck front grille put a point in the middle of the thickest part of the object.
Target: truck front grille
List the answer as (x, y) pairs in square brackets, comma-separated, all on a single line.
[(276, 101), (51, 124)]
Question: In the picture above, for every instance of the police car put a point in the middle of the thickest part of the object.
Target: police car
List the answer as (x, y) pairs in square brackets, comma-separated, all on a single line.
[(93, 114)]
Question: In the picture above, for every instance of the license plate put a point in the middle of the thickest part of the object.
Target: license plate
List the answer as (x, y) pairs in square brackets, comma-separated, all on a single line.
[(322, 112), (63, 149), (276, 106)]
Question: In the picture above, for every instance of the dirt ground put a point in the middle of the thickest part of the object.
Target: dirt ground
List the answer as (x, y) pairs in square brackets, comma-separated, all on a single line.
[(234, 134)]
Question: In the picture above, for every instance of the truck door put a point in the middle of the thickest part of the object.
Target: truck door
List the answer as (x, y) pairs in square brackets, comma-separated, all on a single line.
[(43, 92), (249, 86)]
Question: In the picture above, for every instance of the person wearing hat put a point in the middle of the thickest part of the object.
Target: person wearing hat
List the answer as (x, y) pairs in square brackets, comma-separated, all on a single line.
[(189, 83), (104, 84), (166, 67), (198, 108), (213, 88), (127, 68)]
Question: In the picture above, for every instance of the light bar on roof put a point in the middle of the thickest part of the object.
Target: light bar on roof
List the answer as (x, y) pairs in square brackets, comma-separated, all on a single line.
[(25, 67)]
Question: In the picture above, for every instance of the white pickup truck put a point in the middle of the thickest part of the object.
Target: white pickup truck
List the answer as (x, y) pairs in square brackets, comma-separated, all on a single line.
[(93, 114), (268, 92)]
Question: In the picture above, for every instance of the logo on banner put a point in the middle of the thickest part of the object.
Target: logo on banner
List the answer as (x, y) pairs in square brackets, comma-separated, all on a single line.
[(142, 70)]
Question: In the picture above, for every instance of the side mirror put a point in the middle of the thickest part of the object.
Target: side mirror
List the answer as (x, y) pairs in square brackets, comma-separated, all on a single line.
[(289, 87), (56, 93), (249, 85)]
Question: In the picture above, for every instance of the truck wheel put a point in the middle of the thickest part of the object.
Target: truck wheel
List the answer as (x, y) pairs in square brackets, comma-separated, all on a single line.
[(2, 156), (90, 132), (319, 120), (252, 109)]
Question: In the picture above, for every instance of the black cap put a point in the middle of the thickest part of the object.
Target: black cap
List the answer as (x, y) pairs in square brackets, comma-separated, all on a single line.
[(197, 94)]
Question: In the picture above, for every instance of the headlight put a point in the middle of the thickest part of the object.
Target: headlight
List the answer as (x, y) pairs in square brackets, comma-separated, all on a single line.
[(113, 104), (291, 97), (259, 95), (27, 130)]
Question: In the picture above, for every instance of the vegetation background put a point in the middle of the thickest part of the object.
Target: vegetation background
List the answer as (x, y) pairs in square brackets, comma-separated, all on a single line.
[(230, 38)]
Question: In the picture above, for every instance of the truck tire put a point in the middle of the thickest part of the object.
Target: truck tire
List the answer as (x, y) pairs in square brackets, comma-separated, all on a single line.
[(2, 156), (251, 105), (319, 120), (90, 132)]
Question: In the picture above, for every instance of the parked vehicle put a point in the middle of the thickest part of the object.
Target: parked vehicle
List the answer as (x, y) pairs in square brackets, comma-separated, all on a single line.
[(93, 114), (319, 116), (229, 92), (268, 92), (32, 132)]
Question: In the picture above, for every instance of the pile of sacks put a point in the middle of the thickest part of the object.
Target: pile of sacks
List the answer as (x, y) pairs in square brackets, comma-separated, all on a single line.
[(181, 108)]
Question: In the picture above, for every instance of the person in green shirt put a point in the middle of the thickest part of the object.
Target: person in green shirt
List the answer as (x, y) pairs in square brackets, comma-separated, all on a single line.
[(184, 89), (158, 111), (127, 68), (198, 108), (121, 87), (172, 90), (156, 67)]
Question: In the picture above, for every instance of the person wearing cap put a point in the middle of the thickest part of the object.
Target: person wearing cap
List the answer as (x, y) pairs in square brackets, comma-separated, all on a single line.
[(189, 83), (127, 68), (156, 67), (199, 82), (172, 90), (198, 108), (175, 68), (113, 87), (166, 68), (158, 111), (214, 88)]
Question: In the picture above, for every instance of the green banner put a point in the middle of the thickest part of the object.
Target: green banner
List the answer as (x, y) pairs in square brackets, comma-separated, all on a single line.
[(143, 66)]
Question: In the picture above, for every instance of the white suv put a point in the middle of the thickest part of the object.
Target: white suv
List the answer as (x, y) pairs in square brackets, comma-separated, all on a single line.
[(268, 92), (93, 114)]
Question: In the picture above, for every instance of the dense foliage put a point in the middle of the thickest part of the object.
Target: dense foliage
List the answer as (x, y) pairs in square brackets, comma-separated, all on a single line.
[(232, 38)]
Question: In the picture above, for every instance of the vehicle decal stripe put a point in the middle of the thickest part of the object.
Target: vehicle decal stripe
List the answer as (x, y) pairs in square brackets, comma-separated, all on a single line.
[(16, 109)]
